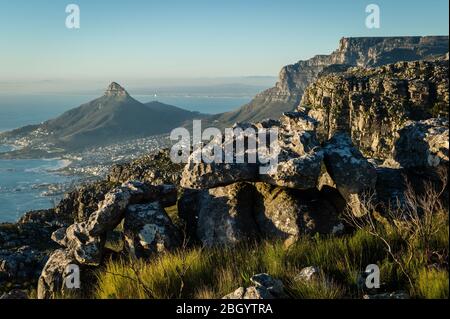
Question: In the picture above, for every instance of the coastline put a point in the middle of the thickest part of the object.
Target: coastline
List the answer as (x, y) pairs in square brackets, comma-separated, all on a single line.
[(30, 184)]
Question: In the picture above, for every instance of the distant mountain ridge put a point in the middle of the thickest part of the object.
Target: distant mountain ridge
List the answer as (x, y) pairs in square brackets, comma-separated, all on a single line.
[(114, 117), (362, 52)]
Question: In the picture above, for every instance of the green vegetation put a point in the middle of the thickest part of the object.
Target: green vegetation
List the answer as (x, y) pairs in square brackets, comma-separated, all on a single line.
[(410, 245), (213, 273)]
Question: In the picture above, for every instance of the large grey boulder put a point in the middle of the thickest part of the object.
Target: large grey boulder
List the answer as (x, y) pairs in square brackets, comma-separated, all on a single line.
[(211, 175), (352, 174), (87, 250), (54, 276), (293, 171), (421, 144), (86, 240), (297, 153), (109, 213), (149, 230), (286, 214), (221, 216), (111, 210)]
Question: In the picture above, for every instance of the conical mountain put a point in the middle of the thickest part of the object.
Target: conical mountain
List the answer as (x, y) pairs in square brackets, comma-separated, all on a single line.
[(113, 117)]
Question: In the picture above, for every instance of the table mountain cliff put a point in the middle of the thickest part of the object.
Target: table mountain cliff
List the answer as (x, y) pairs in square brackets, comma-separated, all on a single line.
[(364, 52)]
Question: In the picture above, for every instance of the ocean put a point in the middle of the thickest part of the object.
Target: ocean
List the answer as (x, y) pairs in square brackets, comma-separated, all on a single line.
[(24, 184)]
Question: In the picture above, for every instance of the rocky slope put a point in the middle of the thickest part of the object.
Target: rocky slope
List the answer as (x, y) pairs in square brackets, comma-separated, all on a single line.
[(373, 104), (361, 52)]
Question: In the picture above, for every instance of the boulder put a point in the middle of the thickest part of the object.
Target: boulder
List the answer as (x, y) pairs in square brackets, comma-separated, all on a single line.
[(225, 215), (265, 287), (86, 249), (109, 213), (153, 169), (352, 174), (292, 171), (111, 210), (52, 282), (203, 176), (421, 144), (308, 274), (286, 214), (149, 230), (79, 204)]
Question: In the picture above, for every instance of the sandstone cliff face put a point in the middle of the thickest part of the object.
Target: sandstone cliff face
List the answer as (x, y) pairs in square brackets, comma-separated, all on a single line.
[(361, 52), (373, 104)]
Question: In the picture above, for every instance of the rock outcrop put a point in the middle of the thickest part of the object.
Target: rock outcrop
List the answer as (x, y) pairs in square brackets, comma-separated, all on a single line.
[(372, 105), (25, 247), (154, 169), (220, 216), (287, 214), (421, 144), (147, 230), (350, 172), (52, 282)]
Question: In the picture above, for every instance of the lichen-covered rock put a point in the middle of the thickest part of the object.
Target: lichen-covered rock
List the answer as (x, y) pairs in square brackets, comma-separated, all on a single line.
[(265, 287), (297, 153), (299, 172), (225, 215), (154, 169), (109, 213), (308, 274), (111, 210), (421, 144), (287, 213), (373, 104), (87, 250), (211, 175), (52, 282), (148, 230), (79, 204), (350, 171)]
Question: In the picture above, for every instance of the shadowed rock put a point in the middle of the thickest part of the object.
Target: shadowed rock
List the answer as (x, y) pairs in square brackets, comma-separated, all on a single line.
[(148, 230)]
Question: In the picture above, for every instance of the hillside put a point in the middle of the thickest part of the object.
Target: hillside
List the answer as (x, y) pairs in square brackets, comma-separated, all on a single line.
[(361, 52), (114, 117)]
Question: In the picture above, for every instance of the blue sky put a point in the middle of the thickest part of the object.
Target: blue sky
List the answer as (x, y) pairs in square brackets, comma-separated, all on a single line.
[(139, 39)]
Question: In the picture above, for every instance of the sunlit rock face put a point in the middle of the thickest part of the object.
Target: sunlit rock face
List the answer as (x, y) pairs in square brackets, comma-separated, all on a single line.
[(372, 105)]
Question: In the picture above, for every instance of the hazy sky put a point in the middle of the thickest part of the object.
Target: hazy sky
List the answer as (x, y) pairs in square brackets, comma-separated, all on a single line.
[(133, 39)]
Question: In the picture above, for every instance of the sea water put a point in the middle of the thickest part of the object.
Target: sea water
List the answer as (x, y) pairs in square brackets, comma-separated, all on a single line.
[(25, 184)]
